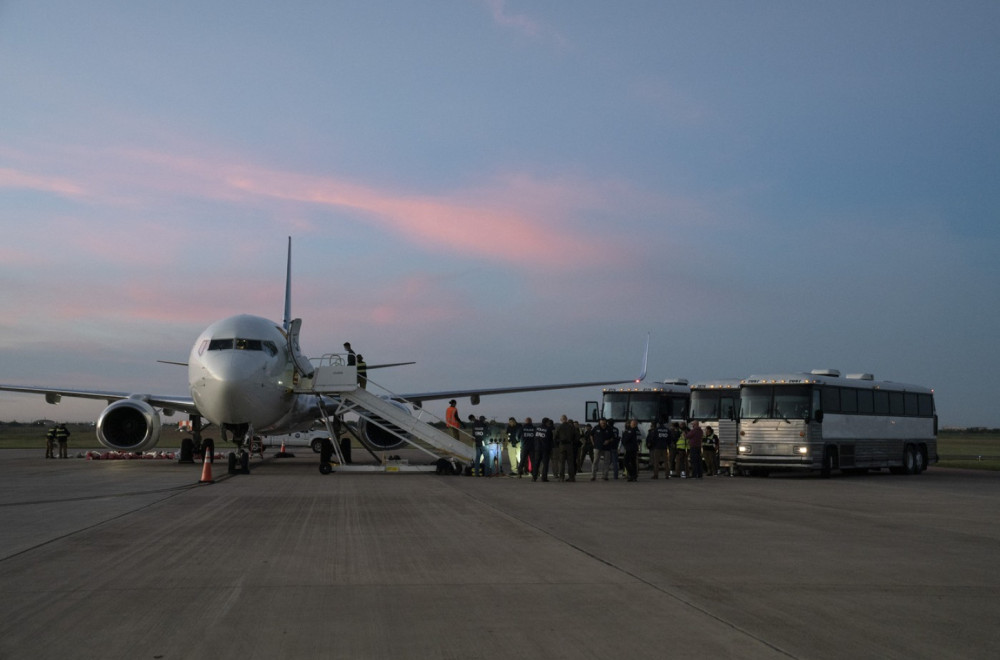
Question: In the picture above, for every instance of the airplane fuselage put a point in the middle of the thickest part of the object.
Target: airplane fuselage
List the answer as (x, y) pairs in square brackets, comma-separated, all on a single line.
[(240, 372)]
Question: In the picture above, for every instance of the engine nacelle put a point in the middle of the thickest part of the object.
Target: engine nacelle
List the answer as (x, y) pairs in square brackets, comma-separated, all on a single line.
[(129, 425), (380, 439)]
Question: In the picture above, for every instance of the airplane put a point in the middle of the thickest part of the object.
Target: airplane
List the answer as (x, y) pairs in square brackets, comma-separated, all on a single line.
[(244, 376)]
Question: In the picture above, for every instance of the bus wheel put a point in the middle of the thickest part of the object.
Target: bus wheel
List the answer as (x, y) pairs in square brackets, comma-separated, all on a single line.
[(909, 460), (919, 462), (829, 462)]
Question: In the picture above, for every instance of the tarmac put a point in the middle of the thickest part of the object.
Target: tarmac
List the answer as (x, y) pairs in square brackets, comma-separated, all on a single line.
[(136, 559)]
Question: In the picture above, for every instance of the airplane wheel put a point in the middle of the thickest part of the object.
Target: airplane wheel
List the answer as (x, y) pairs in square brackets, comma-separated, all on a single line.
[(232, 463), (245, 462), (325, 468)]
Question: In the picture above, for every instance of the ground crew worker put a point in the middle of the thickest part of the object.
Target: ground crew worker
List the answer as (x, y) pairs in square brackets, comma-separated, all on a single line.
[(451, 419), (62, 437), (50, 443), (680, 454), (694, 437)]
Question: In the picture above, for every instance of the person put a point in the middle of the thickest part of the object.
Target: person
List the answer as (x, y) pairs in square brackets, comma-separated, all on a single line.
[(710, 451), (543, 450), (524, 463), (512, 440), (694, 438), (587, 447), (567, 437), (451, 419), (680, 453), (351, 357), (50, 442), (615, 446), (362, 372), (630, 443), (603, 440), (62, 437), (481, 463), (660, 452)]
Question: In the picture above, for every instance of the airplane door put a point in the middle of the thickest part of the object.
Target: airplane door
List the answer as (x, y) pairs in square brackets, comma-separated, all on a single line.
[(302, 363)]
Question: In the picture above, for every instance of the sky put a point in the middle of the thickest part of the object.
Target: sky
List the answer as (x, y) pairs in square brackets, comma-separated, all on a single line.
[(506, 192)]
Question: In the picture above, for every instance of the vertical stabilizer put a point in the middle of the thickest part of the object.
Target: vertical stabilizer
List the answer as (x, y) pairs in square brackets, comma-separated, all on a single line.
[(287, 321)]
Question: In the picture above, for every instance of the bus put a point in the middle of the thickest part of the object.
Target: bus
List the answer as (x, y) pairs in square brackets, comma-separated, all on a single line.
[(667, 401), (716, 403), (821, 421)]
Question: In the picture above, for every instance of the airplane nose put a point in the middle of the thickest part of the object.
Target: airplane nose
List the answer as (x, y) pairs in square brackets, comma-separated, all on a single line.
[(228, 387)]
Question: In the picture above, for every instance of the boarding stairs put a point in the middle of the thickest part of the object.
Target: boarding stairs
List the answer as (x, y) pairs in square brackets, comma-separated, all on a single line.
[(335, 385)]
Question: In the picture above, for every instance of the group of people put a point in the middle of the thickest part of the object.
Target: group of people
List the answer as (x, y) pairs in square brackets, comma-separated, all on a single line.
[(57, 439), (538, 450)]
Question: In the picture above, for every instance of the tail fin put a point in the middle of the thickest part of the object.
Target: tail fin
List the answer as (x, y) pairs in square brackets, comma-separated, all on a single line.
[(287, 322), (645, 359)]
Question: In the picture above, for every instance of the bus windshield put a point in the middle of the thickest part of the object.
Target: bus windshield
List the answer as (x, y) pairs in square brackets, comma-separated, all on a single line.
[(781, 402)]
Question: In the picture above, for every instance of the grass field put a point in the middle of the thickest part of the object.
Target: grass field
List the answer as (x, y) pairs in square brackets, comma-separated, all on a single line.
[(979, 451)]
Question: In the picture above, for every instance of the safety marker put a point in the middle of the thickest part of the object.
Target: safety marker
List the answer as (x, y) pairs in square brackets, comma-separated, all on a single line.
[(206, 470), (283, 453)]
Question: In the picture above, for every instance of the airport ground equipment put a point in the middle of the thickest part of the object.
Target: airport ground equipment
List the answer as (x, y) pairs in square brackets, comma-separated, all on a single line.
[(337, 393)]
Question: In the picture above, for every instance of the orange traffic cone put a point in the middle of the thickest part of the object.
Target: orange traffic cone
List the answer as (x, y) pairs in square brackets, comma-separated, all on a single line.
[(206, 469), (283, 453)]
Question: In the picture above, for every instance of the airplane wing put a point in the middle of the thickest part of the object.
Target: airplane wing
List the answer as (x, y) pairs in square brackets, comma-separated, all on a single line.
[(53, 395), (474, 394)]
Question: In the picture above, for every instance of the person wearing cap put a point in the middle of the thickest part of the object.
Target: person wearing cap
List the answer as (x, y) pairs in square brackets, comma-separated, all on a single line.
[(604, 442), (482, 464), (362, 372), (452, 420)]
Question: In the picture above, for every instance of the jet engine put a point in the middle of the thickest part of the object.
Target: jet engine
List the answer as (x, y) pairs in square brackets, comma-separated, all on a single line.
[(378, 438), (129, 425)]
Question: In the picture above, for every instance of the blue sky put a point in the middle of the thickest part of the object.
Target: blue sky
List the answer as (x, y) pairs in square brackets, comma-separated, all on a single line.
[(506, 192)]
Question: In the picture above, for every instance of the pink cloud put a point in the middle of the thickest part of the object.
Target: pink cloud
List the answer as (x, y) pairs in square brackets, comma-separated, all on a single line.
[(10, 178), (520, 22)]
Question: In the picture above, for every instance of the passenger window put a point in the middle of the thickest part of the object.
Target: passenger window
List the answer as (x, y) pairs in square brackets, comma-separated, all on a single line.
[(910, 403), (848, 400), (881, 402), (866, 402), (831, 400), (896, 408), (926, 404)]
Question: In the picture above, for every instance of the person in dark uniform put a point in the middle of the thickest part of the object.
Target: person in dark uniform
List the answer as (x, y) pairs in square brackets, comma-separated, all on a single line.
[(603, 440), (362, 372), (480, 466), (567, 437), (587, 448), (543, 450), (62, 437), (630, 443), (660, 451), (352, 359), (527, 448)]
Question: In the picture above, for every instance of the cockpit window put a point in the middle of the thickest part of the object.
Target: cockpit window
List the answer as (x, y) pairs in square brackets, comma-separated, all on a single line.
[(241, 344)]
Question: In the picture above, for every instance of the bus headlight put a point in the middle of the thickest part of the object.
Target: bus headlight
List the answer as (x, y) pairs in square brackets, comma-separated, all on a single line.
[(746, 449), (801, 450)]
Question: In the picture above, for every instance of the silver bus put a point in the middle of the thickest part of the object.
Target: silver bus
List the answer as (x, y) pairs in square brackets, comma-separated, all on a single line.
[(716, 403), (820, 421), (666, 400)]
